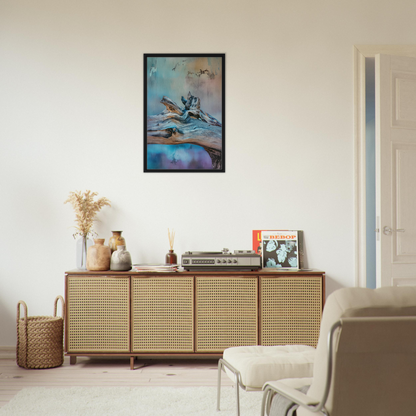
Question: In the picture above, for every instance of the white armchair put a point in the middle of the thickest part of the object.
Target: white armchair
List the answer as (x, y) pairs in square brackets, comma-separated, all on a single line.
[(365, 363)]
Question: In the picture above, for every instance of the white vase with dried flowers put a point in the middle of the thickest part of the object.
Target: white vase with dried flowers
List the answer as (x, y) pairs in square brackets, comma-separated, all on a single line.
[(86, 210)]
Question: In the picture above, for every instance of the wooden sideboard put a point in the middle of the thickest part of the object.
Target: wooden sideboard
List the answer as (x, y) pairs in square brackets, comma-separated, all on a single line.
[(189, 313)]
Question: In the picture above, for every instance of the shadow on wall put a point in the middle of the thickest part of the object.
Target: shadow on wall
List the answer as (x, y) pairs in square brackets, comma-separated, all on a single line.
[(7, 325), (331, 285)]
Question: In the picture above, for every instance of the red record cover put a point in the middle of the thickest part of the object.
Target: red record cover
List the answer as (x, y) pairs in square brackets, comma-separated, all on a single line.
[(257, 241)]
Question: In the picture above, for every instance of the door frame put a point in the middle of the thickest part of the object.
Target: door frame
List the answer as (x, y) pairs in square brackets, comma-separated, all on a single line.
[(360, 53)]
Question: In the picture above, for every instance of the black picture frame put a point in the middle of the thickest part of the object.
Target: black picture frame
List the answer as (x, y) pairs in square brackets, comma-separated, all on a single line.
[(184, 132)]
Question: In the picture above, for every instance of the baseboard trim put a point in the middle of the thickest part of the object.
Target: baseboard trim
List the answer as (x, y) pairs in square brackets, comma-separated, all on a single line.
[(7, 352)]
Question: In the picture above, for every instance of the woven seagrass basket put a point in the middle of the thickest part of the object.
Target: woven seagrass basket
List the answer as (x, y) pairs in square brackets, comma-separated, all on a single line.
[(40, 338)]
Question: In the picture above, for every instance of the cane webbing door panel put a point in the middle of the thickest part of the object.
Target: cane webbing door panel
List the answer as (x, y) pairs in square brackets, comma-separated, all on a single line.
[(291, 309), (162, 314), (98, 310), (226, 312)]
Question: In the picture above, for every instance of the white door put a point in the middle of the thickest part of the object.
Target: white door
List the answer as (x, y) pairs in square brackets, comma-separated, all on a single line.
[(396, 170)]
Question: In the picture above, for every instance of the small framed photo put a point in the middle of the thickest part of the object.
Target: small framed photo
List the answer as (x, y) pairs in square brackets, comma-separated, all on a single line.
[(184, 113)]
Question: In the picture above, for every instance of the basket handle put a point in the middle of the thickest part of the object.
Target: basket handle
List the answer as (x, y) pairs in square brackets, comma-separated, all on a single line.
[(21, 302), (56, 306), (24, 340)]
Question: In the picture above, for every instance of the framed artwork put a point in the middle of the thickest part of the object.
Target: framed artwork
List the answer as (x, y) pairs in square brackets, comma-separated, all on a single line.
[(184, 113)]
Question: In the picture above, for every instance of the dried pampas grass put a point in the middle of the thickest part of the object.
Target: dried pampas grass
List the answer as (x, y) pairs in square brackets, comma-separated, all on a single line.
[(85, 210)]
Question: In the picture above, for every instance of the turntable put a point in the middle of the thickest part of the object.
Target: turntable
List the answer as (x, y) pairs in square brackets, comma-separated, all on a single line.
[(240, 260)]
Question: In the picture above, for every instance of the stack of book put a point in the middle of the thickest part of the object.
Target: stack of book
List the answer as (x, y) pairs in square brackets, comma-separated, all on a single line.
[(155, 267)]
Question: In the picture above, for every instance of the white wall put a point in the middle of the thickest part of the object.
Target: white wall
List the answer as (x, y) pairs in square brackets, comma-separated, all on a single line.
[(71, 118)]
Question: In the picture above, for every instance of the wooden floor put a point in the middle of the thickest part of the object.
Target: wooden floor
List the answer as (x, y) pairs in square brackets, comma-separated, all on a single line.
[(109, 372)]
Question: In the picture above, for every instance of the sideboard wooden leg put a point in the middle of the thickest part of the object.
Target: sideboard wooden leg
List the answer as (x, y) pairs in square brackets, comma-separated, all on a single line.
[(72, 359), (131, 363)]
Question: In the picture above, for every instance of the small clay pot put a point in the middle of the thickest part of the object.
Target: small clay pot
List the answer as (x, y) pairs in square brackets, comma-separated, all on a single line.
[(116, 240), (120, 259), (98, 256)]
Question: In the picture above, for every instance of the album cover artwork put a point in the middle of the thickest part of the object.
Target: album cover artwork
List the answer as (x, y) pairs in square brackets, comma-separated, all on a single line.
[(280, 249)]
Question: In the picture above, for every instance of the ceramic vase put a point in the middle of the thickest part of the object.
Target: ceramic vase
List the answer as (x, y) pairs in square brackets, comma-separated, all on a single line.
[(82, 246), (121, 259), (171, 258), (116, 240), (98, 256)]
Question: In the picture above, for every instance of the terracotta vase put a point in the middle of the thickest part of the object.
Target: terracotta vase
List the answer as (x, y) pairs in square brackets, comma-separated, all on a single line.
[(116, 240), (121, 259), (171, 258), (98, 256)]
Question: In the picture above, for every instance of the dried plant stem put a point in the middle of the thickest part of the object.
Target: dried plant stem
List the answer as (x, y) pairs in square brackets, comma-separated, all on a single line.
[(171, 236), (85, 210)]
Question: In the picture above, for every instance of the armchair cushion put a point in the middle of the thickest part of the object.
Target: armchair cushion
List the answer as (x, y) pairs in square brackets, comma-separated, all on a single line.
[(258, 364)]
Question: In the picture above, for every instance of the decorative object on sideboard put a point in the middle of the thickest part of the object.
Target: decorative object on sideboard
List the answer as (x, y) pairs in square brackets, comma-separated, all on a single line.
[(86, 210), (82, 246), (171, 257), (40, 338), (280, 248), (120, 259), (98, 256), (240, 260), (116, 240), (188, 138)]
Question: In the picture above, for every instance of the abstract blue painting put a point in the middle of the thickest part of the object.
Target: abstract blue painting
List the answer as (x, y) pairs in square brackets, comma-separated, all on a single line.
[(184, 113)]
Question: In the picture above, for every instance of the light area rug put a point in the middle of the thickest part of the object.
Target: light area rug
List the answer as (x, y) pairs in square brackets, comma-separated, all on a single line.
[(131, 401)]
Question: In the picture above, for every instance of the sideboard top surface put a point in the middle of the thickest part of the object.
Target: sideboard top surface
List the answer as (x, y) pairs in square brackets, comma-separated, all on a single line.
[(262, 272)]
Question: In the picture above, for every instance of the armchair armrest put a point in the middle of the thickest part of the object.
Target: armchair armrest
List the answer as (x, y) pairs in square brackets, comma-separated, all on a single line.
[(312, 404), (291, 393)]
